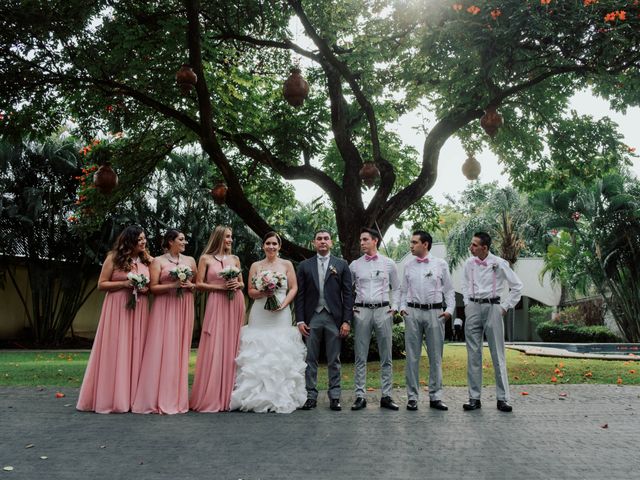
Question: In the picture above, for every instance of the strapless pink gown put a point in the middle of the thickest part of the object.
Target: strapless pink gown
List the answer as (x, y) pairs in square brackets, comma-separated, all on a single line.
[(215, 365), (111, 378), (163, 385)]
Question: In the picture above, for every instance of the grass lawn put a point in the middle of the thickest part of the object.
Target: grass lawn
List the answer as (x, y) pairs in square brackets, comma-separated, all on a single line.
[(66, 369)]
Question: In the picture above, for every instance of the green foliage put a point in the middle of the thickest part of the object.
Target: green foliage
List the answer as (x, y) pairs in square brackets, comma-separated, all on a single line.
[(570, 333), (539, 314), (602, 219)]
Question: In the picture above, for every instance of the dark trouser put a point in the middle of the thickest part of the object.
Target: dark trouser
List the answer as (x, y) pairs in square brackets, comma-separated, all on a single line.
[(323, 325)]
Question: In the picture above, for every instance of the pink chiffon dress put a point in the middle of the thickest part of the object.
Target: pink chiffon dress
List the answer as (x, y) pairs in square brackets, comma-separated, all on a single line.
[(111, 378), (163, 385), (215, 364)]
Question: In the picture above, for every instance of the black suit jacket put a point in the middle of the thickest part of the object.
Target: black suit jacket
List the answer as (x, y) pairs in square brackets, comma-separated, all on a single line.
[(338, 291)]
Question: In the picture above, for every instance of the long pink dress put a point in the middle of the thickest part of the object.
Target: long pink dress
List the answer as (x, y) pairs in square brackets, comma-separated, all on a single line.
[(215, 365), (111, 378), (163, 385)]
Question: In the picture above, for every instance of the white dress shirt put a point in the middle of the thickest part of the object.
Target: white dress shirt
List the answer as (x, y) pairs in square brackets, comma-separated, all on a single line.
[(427, 282), (373, 279), (486, 279)]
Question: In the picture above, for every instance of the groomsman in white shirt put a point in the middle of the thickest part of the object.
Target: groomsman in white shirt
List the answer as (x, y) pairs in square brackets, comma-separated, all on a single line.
[(425, 284), (377, 291), (484, 277)]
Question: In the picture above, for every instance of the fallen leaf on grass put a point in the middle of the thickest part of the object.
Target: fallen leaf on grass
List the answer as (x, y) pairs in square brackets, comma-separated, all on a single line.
[(554, 379), (29, 445), (619, 381), (632, 371), (524, 393), (371, 389), (515, 377), (59, 395), (556, 371), (563, 394), (8, 468), (588, 374), (43, 457), (560, 365)]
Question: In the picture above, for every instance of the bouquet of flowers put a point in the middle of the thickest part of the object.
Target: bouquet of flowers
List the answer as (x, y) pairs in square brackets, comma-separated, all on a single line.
[(268, 282), (139, 281), (229, 273), (181, 273)]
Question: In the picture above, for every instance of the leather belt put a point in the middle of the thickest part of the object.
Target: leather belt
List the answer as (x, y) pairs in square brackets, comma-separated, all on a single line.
[(494, 300), (371, 305), (425, 306)]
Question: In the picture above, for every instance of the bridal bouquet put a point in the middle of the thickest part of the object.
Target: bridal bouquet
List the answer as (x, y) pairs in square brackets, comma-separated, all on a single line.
[(229, 273), (139, 281), (181, 273), (268, 282)]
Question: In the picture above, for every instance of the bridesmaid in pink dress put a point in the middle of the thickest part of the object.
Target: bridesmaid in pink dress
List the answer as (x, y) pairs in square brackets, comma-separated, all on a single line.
[(223, 317), (163, 386), (110, 381)]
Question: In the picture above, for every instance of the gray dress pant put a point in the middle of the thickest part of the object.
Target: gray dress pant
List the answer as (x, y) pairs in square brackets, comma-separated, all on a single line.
[(423, 325), (323, 325), (485, 318), (380, 321)]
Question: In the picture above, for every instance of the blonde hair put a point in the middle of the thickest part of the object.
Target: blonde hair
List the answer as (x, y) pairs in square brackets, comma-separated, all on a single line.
[(215, 245)]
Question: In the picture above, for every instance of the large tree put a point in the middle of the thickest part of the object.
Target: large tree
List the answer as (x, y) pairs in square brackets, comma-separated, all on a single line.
[(109, 65)]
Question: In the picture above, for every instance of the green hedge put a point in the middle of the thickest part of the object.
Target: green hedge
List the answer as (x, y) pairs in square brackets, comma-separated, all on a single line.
[(397, 347), (569, 333)]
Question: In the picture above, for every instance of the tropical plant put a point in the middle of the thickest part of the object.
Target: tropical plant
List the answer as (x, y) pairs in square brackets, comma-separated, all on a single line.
[(603, 221)]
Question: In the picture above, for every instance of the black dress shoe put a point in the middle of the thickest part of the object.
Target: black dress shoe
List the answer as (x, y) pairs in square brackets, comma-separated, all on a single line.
[(438, 405), (473, 404), (504, 406), (334, 404), (412, 405), (359, 404), (387, 402), (309, 404)]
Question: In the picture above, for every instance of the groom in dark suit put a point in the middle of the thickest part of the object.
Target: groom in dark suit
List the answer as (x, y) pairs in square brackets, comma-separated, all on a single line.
[(324, 308)]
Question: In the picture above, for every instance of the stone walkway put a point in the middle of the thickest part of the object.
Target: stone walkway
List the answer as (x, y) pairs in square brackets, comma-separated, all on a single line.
[(591, 433)]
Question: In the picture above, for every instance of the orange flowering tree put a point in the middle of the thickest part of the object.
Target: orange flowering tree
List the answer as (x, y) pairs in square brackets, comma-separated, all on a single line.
[(111, 67)]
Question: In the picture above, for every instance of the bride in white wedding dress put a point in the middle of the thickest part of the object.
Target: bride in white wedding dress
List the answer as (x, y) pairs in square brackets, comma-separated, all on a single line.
[(270, 361)]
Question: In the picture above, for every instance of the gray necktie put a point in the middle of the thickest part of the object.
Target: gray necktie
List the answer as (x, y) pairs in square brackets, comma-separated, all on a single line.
[(322, 268)]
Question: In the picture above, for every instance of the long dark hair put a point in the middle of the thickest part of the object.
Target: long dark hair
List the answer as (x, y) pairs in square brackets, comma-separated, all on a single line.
[(124, 247)]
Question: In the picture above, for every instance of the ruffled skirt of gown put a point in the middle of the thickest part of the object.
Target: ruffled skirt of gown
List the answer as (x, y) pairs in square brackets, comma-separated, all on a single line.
[(270, 364)]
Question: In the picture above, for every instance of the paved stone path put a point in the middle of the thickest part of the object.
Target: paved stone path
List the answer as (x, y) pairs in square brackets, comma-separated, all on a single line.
[(546, 437)]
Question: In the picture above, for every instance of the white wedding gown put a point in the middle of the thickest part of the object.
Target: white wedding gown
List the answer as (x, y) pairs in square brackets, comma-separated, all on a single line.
[(270, 362)]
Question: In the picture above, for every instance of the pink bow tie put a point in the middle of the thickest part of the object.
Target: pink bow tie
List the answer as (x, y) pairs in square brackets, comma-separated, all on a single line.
[(368, 258), (481, 262), (422, 260)]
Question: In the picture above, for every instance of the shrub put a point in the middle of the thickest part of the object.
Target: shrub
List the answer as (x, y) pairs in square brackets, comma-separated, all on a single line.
[(397, 346), (570, 333), (540, 313)]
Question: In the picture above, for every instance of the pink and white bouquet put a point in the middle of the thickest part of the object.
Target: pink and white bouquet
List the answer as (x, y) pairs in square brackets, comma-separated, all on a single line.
[(181, 273), (229, 273), (138, 281), (268, 282)]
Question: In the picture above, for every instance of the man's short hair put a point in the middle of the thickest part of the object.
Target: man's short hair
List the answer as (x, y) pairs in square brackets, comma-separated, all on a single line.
[(372, 232), (321, 230), (425, 237), (484, 237)]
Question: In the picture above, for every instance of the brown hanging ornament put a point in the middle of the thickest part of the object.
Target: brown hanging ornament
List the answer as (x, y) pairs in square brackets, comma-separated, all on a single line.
[(471, 168), (186, 78), (296, 88), (105, 179), (491, 121), (219, 193), (369, 173)]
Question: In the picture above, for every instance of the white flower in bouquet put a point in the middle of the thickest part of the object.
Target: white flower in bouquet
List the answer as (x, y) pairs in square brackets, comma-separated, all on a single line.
[(138, 281), (229, 273), (268, 282), (181, 273)]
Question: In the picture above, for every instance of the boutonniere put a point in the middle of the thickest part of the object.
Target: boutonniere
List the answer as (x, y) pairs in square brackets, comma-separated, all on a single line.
[(494, 266), (429, 274), (378, 272), (333, 270)]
